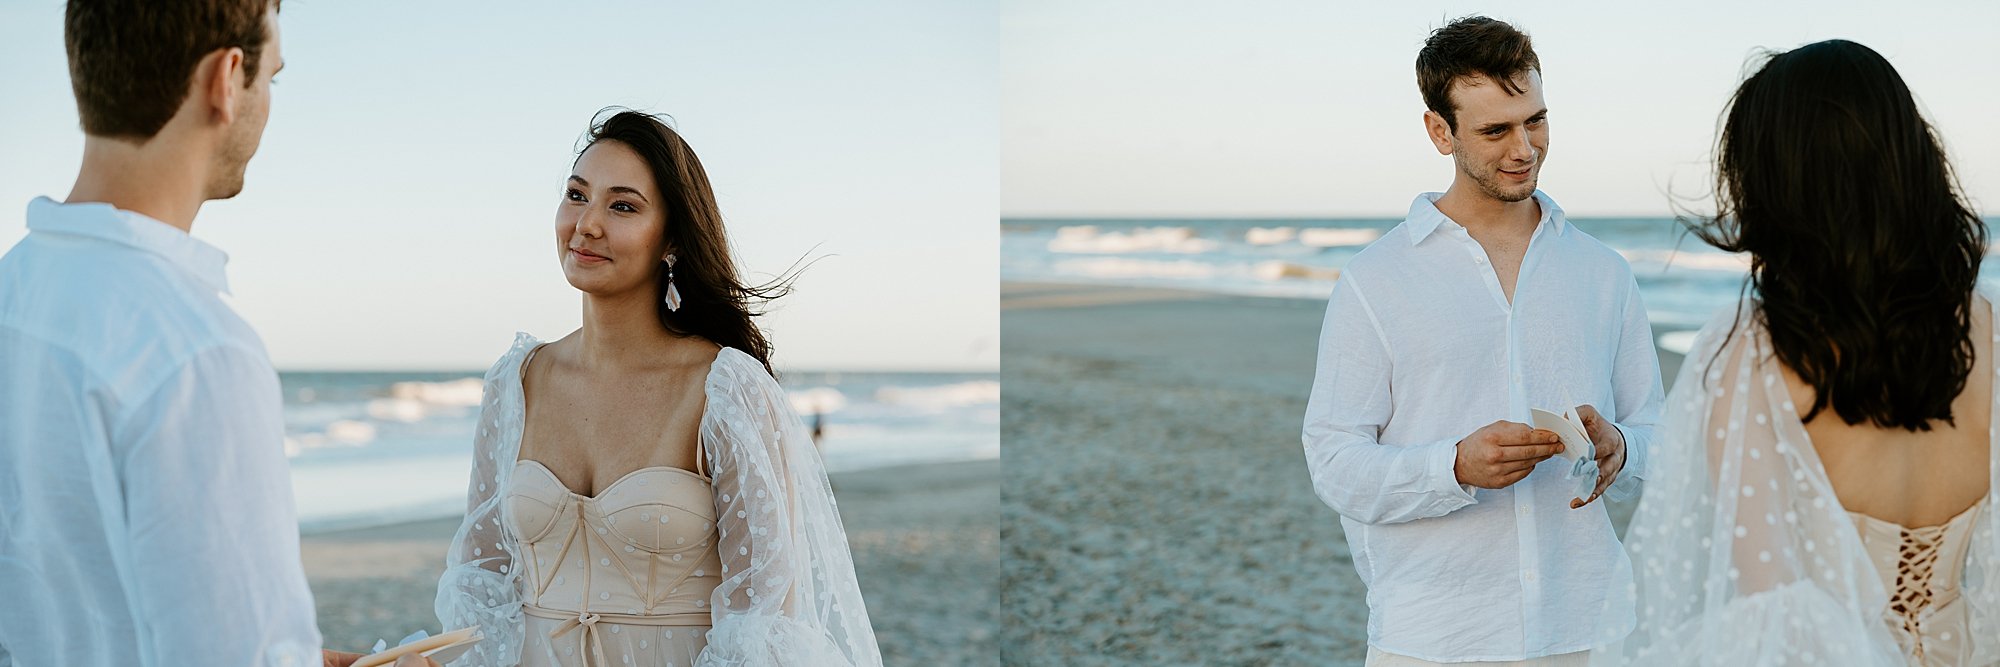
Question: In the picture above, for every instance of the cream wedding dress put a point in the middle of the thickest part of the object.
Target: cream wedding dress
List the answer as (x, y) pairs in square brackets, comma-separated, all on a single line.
[(740, 563), (1743, 555)]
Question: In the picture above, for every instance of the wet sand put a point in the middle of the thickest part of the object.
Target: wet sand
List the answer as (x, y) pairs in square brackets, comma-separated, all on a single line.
[(1155, 508)]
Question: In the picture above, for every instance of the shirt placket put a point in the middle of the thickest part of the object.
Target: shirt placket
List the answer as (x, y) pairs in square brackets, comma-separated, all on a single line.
[(1484, 267), (1527, 527)]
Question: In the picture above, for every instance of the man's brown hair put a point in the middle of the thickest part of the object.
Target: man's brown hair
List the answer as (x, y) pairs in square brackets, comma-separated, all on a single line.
[(1470, 46), (130, 60)]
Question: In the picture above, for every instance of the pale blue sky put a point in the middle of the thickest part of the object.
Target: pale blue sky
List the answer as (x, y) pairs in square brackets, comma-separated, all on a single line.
[(401, 211), (1308, 108)]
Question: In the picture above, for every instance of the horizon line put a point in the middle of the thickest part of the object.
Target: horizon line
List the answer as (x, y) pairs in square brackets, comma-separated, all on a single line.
[(1040, 217), (1276, 216), (482, 371)]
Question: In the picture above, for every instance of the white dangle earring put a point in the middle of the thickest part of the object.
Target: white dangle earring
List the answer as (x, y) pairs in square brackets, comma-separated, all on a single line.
[(673, 299)]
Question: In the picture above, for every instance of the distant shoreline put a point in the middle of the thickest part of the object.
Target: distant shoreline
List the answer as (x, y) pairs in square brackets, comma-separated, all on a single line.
[(1023, 294), (481, 372), (455, 507)]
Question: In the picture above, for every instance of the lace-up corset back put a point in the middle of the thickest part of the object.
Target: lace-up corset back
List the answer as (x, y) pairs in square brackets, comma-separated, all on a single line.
[(1921, 569)]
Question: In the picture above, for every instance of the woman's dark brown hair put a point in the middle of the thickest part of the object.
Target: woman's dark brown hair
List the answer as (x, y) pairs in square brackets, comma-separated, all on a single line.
[(715, 302), (1863, 252)]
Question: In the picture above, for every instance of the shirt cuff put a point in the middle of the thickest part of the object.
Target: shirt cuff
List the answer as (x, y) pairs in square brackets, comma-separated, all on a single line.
[(1444, 482), (1626, 487)]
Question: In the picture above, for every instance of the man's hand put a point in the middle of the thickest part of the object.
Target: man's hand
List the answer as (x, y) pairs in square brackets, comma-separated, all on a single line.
[(1501, 453), (344, 659), (1610, 446)]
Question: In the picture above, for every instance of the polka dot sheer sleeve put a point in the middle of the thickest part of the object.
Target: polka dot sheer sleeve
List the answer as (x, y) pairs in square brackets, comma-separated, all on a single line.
[(788, 594), (1741, 552), (480, 586)]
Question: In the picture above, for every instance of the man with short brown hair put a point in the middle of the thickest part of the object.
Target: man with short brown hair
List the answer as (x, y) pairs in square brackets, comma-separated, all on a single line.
[(145, 500), (1478, 540)]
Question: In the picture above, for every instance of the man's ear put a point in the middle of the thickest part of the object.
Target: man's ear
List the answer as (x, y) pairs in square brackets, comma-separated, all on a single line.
[(1439, 131), (218, 80)]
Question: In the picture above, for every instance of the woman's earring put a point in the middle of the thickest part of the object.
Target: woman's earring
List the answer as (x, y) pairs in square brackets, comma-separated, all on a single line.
[(673, 299)]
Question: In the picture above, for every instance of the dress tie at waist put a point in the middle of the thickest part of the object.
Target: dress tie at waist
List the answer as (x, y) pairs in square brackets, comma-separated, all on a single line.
[(589, 639)]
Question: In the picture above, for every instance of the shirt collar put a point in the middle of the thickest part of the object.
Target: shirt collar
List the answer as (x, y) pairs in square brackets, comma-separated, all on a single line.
[(1424, 216), (105, 222)]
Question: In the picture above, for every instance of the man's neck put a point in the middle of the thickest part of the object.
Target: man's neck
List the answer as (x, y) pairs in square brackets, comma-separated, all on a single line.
[(154, 180), (1482, 215)]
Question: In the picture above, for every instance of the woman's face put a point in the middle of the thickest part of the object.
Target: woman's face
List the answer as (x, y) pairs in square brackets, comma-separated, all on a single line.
[(610, 226)]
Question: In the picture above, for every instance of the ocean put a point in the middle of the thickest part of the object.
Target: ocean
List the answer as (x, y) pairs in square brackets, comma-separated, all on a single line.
[(1682, 280), (371, 448)]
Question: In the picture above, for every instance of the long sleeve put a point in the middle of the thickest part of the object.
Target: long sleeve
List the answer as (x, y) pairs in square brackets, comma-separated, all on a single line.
[(788, 594), (1355, 474), (480, 585), (1741, 552), (1635, 384), (212, 562)]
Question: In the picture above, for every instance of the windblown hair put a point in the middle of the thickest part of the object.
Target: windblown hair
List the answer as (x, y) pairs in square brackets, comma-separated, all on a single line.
[(130, 61), (1472, 46), (715, 302), (1863, 251)]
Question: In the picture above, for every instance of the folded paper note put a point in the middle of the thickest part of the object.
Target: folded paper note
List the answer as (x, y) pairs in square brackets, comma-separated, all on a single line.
[(443, 648), (1576, 446)]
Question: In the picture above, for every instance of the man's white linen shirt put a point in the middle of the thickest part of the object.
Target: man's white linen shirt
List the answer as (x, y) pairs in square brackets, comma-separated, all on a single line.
[(1420, 348), (146, 510)]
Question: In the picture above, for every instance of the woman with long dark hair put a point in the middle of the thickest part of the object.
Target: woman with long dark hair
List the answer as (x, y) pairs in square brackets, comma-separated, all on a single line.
[(1825, 486), (642, 491)]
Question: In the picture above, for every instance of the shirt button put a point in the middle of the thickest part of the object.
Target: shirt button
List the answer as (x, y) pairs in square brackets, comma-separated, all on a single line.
[(1478, 260), (1530, 576), (1523, 510)]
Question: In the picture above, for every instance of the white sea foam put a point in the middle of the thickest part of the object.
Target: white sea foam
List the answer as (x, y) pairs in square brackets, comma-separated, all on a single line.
[(463, 392), (941, 397), (365, 493), (399, 451), (350, 432), (397, 409), (1088, 239), (1678, 342), (824, 400), (1674, 260), (411, 402), (1126, 267), (1275, 270), (1334, 238), (1270, 236)]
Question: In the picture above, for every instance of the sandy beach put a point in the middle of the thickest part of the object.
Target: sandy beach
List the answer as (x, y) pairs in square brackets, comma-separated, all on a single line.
[(925, 541), (1156, 508)]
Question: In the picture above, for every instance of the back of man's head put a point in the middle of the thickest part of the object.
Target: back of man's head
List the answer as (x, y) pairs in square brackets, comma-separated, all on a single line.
[(131, 61)]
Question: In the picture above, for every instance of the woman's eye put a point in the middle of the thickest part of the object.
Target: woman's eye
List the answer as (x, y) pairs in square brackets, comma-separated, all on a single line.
[(623, 207), (572, 195)]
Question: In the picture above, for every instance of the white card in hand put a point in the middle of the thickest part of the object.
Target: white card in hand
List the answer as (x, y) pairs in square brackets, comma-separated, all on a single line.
[(1576, 447), (443, 648), (1569, 427)]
